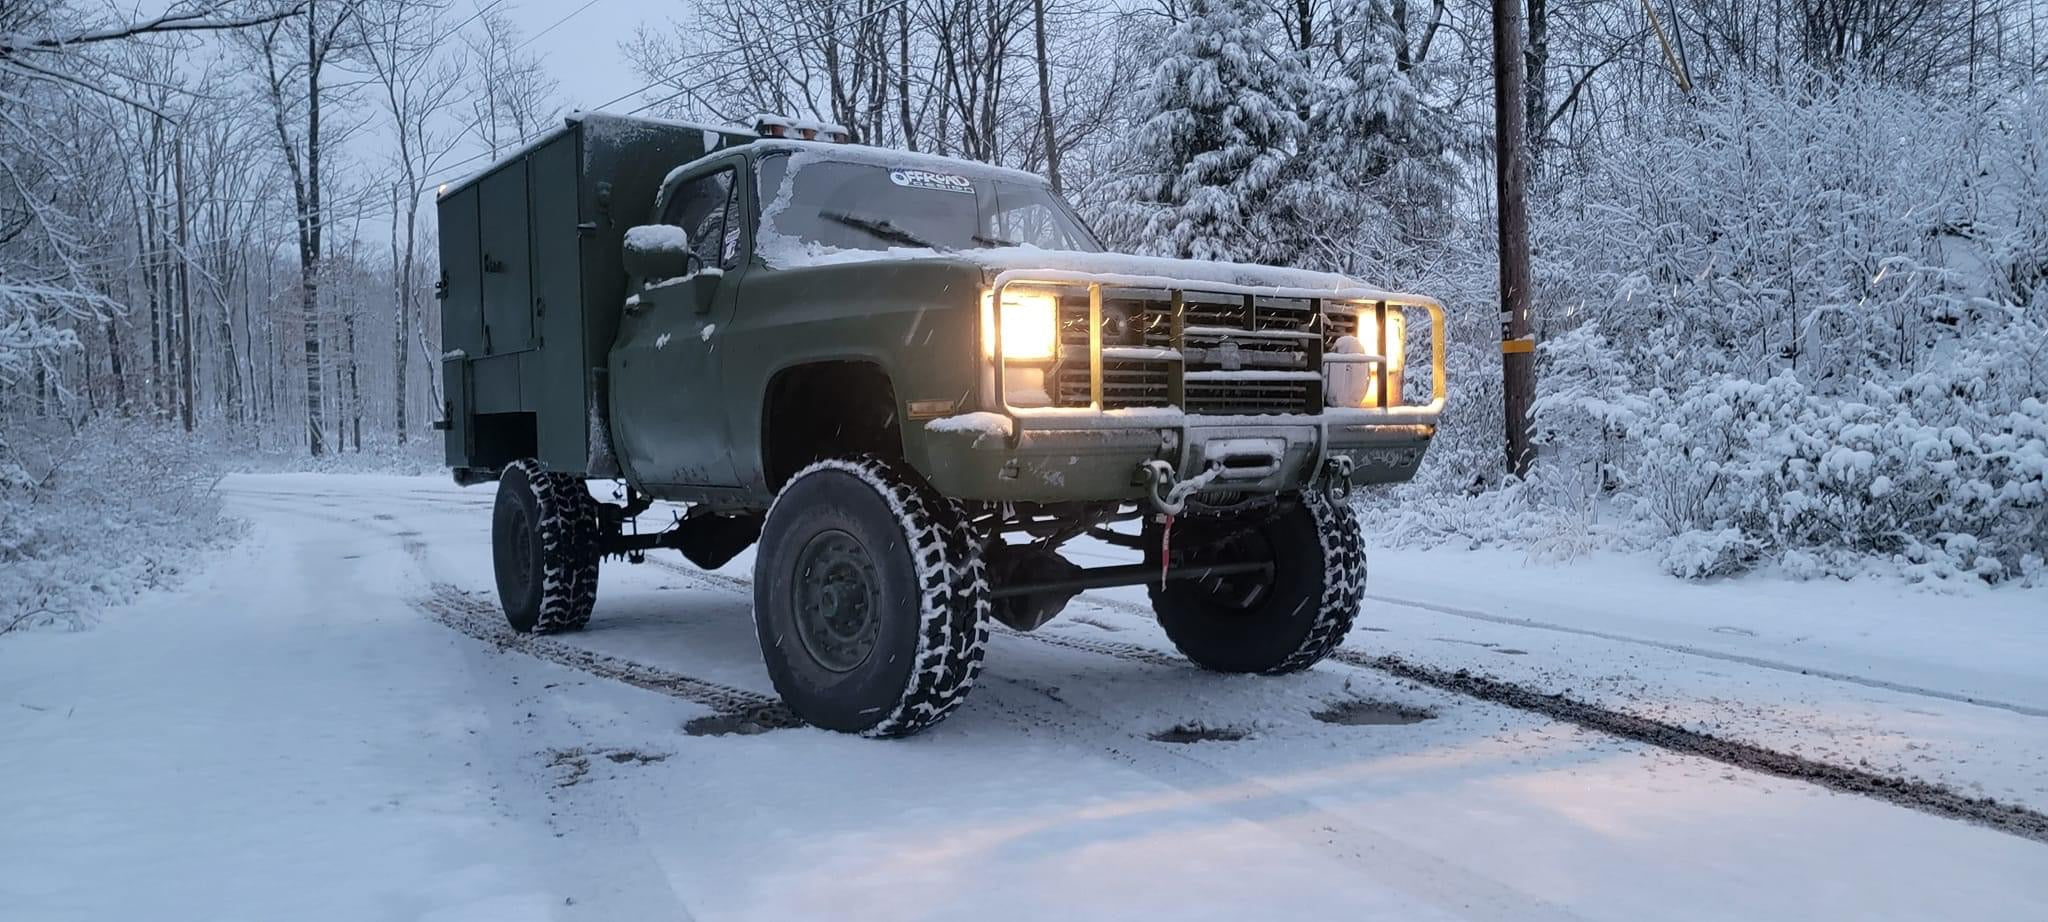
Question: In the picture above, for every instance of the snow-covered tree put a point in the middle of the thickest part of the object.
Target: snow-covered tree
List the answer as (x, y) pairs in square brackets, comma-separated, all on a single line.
[(1376, 167), (1222, 132)]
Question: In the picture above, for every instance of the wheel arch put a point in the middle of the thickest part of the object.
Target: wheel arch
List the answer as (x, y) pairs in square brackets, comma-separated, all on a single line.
[(830, 406)]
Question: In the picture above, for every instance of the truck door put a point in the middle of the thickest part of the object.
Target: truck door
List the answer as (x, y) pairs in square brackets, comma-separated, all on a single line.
[(668, 417)]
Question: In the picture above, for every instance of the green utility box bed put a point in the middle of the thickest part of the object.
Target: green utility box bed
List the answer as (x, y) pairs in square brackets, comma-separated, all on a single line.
[(532, 285)]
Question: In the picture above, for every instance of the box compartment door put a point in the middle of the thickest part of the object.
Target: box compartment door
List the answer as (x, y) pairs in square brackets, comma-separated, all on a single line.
[(507, 262)]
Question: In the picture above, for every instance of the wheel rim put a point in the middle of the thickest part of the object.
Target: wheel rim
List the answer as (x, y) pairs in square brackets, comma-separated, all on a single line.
[(1243, 591), (837, 598), (522, 547)]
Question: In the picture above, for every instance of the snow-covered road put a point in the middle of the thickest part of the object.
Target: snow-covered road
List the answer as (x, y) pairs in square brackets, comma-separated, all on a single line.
[(300, 735)]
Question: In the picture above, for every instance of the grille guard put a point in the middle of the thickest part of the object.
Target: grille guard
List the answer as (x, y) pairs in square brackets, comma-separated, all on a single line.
[(1096, 416)]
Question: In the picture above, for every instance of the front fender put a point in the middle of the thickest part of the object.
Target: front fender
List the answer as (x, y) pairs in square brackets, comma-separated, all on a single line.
[(914, 319)]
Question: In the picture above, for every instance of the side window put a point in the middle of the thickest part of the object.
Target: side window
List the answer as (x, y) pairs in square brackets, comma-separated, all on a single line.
[(701, 206)]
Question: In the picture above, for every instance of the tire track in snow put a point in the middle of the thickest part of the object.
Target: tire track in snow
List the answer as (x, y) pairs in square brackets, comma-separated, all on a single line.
[(482, 620), (456, 609), (2027, 710), (628, 874), (1923, 796), (1738, 658)]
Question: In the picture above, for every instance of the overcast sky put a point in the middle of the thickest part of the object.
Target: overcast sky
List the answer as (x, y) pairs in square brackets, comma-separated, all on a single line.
[(583, 51)]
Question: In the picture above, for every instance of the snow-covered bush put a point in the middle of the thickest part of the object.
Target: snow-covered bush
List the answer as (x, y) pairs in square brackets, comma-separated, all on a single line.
[(1784, 330), (91, 516), (1699, 554)]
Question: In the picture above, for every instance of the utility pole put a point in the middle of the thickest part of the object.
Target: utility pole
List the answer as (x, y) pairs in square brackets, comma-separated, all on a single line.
[(1511, 171)]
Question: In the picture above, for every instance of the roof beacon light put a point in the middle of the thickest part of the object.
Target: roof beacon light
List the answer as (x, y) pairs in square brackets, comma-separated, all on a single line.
[(773, 126), (783, 126)]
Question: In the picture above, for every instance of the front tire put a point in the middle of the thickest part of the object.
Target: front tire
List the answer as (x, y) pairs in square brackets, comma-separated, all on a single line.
[(1274, 624), (869, 598), (544, 549)]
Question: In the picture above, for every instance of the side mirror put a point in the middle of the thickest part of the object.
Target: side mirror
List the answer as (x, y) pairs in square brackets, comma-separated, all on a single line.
[(658, 251)]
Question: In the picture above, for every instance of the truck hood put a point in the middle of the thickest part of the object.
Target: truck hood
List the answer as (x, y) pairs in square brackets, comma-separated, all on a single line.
[(1133, 270), (1117, 265)]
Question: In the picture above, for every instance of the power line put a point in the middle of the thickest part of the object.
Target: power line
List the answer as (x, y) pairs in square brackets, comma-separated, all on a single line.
[(494, 4), (556, 24), (701, 84), (444, 172)]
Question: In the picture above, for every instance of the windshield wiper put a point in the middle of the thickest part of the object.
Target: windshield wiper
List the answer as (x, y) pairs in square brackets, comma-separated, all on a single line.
[(987, 240), (880, 227)]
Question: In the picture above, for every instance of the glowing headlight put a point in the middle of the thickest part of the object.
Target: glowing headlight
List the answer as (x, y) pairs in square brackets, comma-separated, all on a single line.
[(1397, 337), (1030, 325), (1356, 384)]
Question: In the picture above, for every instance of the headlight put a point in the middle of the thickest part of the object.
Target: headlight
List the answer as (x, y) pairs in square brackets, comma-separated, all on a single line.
[(1356, 384), (1030, 325)]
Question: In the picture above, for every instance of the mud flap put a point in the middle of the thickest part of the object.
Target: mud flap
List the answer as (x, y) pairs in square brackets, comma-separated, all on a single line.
[(603, 461)]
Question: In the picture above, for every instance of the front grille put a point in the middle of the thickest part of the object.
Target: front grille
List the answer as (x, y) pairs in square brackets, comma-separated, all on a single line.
[(1124, 384), (1241, 356)]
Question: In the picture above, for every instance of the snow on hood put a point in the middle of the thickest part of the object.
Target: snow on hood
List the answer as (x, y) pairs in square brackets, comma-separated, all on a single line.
[(1118, 268), (1184, 270)]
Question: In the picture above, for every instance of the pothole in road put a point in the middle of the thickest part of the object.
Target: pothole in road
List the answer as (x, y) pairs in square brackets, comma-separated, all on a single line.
[(1196, 733), (1365, 712), (735, 723)]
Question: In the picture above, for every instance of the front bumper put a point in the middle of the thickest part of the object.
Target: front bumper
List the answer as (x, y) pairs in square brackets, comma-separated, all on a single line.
[(1063, 458), (1091, 453)]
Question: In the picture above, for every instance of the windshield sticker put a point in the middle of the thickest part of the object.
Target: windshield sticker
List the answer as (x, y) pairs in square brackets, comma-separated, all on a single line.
[(922, 179)]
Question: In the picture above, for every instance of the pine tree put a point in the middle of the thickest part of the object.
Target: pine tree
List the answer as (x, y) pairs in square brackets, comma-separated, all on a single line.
[(1223, 130), (1378, 150)]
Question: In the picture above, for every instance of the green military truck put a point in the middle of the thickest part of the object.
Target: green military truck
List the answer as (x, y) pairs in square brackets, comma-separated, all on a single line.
[(909, 381)]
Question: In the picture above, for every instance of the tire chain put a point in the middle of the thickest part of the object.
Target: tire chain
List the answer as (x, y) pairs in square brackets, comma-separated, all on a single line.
[(568, 533), (1343, 581), (953, 608)]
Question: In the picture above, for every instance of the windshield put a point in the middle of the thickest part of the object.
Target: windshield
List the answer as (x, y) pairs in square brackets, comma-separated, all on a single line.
[(863, 206)]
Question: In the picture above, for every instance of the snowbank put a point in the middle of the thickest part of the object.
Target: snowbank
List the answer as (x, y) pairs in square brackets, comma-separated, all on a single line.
[(99, 515)]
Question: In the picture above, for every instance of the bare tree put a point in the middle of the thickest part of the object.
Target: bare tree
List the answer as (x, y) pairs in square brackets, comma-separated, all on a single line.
[(296, 55), (511, 96), (417, 90)]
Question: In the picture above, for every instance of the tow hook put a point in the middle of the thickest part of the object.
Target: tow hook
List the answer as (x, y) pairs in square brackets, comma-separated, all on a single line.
[(1337, 477), (1169, 494)]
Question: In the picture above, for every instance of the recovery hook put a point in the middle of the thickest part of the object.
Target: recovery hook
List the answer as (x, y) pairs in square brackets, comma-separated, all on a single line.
[(1169, 494)]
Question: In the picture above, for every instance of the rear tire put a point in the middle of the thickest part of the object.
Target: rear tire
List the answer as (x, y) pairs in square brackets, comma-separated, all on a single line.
[(870, 599), (544, 549), (1273, 625)]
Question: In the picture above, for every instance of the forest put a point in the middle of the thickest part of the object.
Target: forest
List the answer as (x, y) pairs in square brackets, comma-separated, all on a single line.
[(1790, 256)]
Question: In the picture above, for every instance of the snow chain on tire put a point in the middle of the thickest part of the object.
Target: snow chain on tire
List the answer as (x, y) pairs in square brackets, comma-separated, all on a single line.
[(953, 609), (568, 536), (1301, 614), (1343, 580)]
